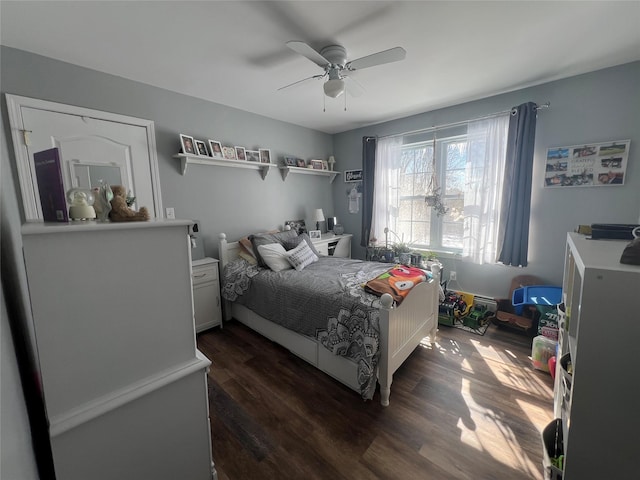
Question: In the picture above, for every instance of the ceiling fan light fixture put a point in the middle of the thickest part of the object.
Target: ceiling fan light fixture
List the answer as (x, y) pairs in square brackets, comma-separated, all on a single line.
[(334, 87)]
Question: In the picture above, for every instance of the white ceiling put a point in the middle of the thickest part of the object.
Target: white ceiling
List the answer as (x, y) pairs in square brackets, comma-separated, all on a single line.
[(234, 53)]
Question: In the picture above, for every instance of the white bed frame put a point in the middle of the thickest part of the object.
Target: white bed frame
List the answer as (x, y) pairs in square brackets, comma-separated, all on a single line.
[(402, 329)]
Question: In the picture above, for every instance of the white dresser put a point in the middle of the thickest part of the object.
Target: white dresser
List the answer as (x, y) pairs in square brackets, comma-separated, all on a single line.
[(125, 387), (334, 245), (206, 293)]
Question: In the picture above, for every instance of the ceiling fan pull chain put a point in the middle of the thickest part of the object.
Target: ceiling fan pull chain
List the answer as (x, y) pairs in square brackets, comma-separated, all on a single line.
[(345, 102)]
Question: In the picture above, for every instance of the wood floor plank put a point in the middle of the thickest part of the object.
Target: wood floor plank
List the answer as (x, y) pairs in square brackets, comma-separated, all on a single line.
[(465, 407)]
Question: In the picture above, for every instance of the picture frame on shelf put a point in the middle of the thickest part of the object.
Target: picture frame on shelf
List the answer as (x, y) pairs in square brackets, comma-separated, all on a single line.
[(229, 153), (241, 153), (297, 225), (315, 234), (201, 148), (290, 161), (301, 163), (325, 165), (265, 155), (187, 144), (252, 155), (216, 149), (316, 164)]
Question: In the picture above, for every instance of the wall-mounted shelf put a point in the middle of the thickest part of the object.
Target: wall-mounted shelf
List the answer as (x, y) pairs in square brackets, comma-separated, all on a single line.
[(186, 159), (308, 171)]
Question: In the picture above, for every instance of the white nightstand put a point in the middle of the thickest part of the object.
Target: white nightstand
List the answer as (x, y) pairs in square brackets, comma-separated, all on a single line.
[(206, 294), (334, 245)]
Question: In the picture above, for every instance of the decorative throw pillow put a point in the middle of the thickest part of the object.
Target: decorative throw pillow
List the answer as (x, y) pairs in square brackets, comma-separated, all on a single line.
[(275, 256), (266, 239), (301, 256), (295, 241), (245, 244)]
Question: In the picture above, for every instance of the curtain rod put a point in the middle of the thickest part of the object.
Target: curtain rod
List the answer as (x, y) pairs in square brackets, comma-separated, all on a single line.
[(456, 124)]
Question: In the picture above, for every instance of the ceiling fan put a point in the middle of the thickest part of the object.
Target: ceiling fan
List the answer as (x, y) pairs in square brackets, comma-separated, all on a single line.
[(333, 60)]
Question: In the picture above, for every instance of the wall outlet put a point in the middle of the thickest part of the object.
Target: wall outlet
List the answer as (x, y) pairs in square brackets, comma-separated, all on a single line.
[(453, 276), (171, 213)]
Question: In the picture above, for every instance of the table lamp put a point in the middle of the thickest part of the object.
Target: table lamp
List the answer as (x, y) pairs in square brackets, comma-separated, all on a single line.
[(318, 217)]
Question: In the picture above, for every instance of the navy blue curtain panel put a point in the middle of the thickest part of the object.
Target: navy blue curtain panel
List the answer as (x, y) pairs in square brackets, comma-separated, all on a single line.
[(368, 174), (513, 234)]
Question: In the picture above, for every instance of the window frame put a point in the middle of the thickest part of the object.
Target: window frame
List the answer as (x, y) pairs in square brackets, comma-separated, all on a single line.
[(436, 223)]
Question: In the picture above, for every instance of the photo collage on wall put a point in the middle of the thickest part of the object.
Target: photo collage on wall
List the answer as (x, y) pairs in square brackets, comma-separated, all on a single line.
[(591, 165)]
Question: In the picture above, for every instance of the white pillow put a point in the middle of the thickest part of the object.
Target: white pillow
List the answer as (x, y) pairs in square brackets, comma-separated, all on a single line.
[(275, 256), (301, 256)]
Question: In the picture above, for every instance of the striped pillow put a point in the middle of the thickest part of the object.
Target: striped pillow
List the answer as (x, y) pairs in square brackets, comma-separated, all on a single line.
[(301, 256)]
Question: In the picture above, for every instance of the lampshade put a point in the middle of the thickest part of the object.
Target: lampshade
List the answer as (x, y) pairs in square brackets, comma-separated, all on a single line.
[(318, 216), (334, 87)]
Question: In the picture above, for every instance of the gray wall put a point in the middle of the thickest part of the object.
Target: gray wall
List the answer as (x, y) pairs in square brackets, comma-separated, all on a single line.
[(595, 107), (232, 200)]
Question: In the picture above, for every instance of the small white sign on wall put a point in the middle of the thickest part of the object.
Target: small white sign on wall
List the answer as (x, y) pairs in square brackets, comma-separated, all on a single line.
[(352, 176), (590, 165)]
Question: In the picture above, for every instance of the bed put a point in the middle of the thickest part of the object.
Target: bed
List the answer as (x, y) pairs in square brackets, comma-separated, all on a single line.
[(353, 336)]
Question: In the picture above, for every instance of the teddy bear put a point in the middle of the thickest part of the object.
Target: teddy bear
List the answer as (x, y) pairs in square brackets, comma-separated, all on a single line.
[(120, 212)]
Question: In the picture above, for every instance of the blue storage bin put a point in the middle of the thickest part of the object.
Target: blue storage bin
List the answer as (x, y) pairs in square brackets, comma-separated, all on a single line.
[(535, 295)]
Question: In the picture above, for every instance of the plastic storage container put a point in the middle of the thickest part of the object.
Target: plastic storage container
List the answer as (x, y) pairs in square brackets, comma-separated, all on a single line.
[(542, 349), (535, 295)]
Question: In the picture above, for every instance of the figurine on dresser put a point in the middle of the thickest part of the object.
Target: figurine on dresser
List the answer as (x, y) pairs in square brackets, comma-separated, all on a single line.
[(120, 211), (102, 205)]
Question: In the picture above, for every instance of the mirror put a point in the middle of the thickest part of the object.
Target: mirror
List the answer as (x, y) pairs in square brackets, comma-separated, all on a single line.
[(92, 145)]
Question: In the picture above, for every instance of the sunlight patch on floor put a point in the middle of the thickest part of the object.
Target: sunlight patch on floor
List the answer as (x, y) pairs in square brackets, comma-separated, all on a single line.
[(495, 438), (538, 416), (509, 372), (448, 347)]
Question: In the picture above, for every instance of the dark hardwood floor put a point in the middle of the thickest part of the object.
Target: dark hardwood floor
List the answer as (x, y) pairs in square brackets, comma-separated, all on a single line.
[(468, 407)]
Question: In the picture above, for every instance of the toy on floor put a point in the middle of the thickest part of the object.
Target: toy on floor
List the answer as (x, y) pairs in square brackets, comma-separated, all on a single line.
[(120, 212)]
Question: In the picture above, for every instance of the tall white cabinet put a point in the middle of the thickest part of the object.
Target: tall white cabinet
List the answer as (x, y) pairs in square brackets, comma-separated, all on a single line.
[(598, 403), (124, 386)]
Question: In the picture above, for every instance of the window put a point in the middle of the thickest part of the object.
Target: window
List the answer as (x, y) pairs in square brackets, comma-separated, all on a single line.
[(469, 173), (416, 221)]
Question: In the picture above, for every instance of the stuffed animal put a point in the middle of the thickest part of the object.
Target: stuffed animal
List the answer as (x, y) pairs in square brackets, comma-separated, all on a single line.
[(120, 212)]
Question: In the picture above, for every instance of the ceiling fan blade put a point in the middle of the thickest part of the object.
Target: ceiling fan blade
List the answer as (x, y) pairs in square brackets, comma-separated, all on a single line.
[(386, 56), (315, 77), (306, 51), (354, 88)]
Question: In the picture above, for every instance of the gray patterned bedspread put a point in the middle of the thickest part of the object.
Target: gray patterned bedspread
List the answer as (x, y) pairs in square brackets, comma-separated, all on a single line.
[(324, 301)]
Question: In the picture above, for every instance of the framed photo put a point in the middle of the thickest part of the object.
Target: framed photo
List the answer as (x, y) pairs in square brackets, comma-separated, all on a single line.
[(265, 155), (229, 153), (315, 234), (187, 144), (590, 165), (325, 165), (290, 161), (216, 149), (252, 155), (316, 164), (352, 176), (201, 148), (241, 153), (297, 225), (301, 163)]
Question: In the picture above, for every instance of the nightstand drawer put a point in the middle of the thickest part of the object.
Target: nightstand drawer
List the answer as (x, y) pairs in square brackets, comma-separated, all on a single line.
[(204, 271), (204, 275)]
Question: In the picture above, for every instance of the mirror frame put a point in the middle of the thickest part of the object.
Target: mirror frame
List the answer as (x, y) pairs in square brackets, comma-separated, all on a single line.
[(26, 175)]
